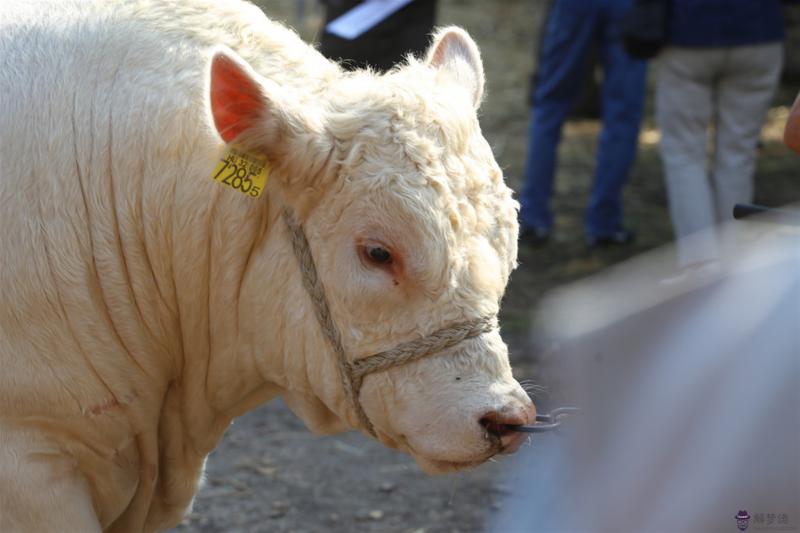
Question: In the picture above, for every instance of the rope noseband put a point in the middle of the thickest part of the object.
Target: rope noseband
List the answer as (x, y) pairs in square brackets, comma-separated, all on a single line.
[(352, 373)]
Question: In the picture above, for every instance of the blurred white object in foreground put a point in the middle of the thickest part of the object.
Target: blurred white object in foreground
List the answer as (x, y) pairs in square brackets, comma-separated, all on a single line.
[(690, 395)]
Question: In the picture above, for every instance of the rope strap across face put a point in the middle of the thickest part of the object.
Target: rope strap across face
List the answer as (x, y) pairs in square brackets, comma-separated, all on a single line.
[(352, 373)]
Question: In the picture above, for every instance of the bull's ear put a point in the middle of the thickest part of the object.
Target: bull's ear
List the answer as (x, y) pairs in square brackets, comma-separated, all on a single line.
[(238, 99), (455, 54), (256, 115)]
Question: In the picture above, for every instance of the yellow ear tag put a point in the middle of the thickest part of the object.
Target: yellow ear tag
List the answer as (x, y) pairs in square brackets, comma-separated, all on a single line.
[(242, 172)]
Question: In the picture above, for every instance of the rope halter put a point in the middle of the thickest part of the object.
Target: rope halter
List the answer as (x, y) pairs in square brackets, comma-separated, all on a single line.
[(352, 374)]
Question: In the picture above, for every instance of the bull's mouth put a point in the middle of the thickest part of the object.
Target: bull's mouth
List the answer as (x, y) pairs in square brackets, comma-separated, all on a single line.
[(430, 465), (438, 466), (499, 443)]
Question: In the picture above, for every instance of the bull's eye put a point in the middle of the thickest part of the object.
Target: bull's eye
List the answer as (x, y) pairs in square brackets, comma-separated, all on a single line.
[(378, 255)]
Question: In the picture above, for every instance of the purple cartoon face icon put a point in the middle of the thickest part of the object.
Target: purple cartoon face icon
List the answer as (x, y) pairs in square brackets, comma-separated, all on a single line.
[(742, 520)]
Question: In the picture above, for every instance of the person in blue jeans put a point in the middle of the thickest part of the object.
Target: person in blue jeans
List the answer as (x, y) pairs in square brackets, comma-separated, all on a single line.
[(573, 28)]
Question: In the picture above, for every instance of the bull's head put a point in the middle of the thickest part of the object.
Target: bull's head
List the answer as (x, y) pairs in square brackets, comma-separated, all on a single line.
[(412, 230)]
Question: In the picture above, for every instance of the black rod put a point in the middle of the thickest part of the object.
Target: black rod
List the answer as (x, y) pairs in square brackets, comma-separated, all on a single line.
[(772, 215)]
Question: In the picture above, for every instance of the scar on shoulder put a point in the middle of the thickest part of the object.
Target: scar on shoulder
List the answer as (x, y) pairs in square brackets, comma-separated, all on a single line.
[(102, 408)]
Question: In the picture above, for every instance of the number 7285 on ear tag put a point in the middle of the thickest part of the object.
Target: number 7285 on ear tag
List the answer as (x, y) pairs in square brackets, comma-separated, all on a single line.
[(242, 172)]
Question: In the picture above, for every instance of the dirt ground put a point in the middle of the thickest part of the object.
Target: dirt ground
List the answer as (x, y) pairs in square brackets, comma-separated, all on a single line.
[(271, 474)]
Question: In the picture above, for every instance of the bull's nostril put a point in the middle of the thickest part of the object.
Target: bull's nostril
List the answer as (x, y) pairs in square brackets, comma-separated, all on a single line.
[(495, 425)]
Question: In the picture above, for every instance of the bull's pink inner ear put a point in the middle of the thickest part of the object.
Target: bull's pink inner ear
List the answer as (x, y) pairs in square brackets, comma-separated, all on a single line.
[(237, 101)]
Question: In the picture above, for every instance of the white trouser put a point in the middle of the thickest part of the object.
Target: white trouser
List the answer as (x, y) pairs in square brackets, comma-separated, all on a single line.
[(730, 88)]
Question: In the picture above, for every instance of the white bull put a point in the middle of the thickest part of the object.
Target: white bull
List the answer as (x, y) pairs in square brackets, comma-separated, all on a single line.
[(144, 305)]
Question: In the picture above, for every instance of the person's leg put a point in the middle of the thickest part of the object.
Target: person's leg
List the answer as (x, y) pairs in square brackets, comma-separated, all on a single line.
[(684, 95), (569, 31), (623, 102), (746, 87)]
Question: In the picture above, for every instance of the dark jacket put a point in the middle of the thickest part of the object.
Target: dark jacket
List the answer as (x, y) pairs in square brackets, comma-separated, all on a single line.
[(721, 23), (406, 31)]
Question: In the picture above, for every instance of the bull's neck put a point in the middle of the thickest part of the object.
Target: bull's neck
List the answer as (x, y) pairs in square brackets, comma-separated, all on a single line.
[(201, 244), (246, 322), (215, 259)]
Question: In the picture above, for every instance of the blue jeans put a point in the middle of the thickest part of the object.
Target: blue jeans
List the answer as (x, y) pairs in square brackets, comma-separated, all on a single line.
[(572, 28)]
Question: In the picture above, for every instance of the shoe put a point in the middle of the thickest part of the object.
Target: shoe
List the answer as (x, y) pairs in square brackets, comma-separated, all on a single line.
[(620, 237), (534, 236)]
